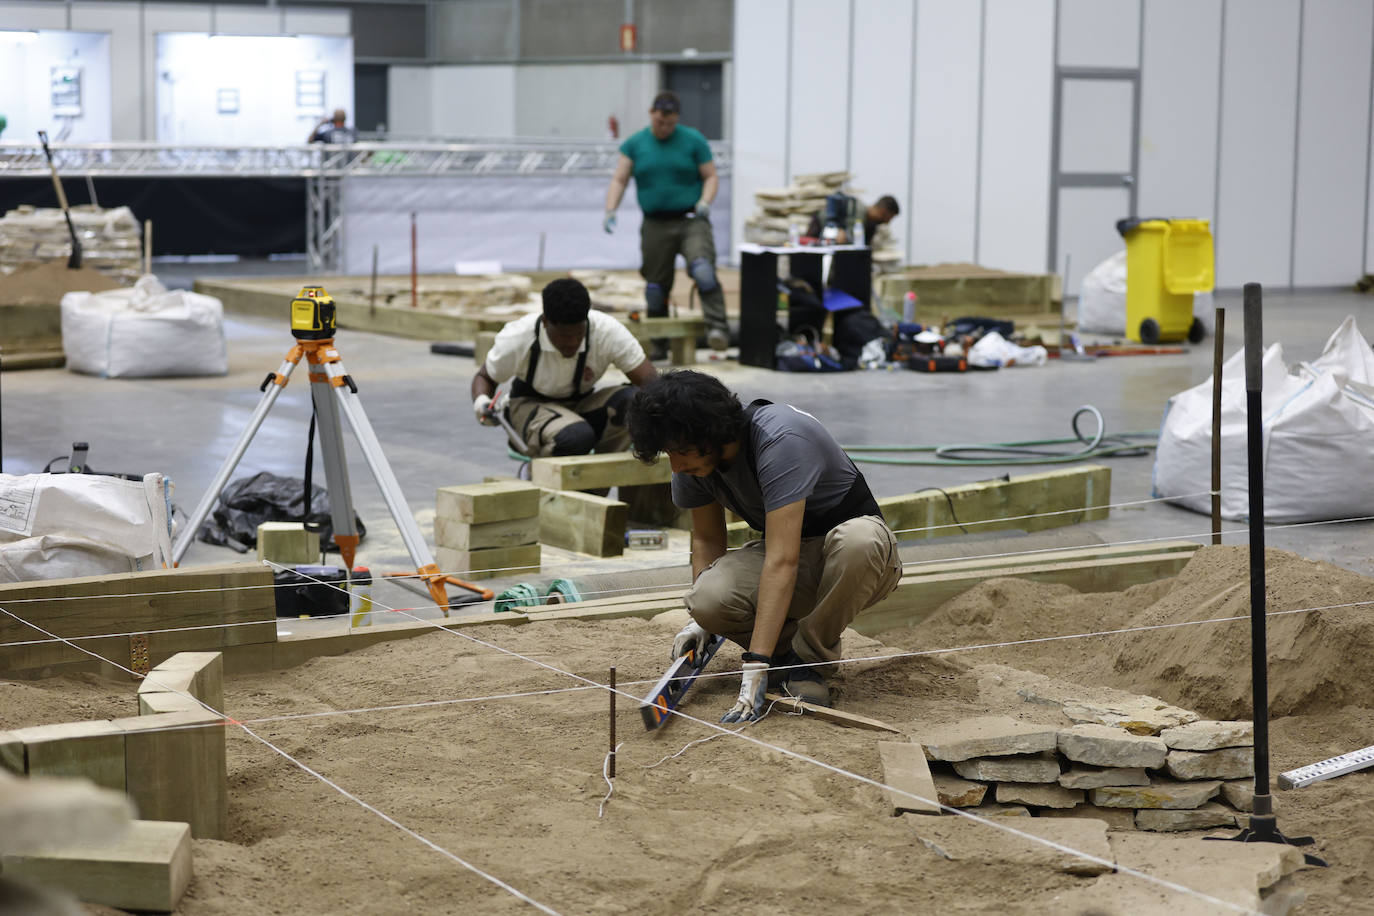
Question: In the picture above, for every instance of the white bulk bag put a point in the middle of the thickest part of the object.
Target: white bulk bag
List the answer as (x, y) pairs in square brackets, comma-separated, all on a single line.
[(58, 526), (143, 331), (1102, 299), (1318, 436)]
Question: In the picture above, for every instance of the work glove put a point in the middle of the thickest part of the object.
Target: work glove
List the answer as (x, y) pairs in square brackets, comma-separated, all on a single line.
[(691, 638), (703, 208), (749, 706), (609, 222), (480, 409)]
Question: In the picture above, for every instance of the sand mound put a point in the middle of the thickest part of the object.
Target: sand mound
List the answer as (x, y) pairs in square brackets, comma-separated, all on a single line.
[(45, 283)]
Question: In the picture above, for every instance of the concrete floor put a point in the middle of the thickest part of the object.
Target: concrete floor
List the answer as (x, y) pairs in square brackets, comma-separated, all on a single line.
[(418, 404)]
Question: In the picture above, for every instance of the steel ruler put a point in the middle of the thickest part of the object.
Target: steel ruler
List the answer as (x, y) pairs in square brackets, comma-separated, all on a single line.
[(1326, 769)]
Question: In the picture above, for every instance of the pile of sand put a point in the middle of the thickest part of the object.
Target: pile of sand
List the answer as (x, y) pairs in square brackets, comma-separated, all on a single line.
[(45, 283)]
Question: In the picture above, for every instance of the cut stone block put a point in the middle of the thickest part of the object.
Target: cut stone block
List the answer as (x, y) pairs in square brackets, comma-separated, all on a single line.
[(509, 532), (1208, 735), (1202, 818), (488, 563), (1142, 715), (989, 736), (1081, 776), (1240, 794), (94, 750), (477, 503), (147, 869), (1114, 818), (176, 769), (1109, 746), (1020, 768), (956, 792), (960, 839), (906, 771), (1038, 794), (1160, 793), (990, 808), (1227, 763)]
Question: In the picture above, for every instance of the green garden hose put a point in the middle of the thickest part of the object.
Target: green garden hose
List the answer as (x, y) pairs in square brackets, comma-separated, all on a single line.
[(563, 591), (522, 594)]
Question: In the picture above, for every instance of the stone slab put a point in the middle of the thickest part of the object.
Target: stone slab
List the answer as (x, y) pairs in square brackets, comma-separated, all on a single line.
[(1136, 713), (1114, 818), (1204, 817), (1109, 746), (1038, 795), (962, 840), (1209, 735), (907, 774), (93, 749), (1082, 776), (988, 736), (1226, 763), (1160, 793), (148, 869), (1016, 768), (956, 792), (1239, 794)]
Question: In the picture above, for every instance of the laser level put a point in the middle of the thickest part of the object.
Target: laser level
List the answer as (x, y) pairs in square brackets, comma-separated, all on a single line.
[(313, 314)]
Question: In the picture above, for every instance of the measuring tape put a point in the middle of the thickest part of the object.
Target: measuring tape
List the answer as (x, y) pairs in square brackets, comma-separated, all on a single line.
[(1326, 769)]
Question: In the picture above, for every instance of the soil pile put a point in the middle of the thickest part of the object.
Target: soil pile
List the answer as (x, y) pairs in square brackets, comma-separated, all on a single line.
[(45, 283)]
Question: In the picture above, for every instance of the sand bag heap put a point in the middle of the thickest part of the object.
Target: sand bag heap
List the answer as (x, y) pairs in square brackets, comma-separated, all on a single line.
[(110, 239), (1318, 436), (146, 331)]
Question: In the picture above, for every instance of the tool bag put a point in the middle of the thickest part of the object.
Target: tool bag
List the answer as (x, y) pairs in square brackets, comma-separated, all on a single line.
[(265, 497)]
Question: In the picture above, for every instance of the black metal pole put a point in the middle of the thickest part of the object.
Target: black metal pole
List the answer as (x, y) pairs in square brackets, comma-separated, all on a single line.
[(1259, 650), (610, 770), (1218, 354)]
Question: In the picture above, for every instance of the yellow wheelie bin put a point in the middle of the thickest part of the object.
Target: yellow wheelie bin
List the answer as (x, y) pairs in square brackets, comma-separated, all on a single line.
[(1167, 260)]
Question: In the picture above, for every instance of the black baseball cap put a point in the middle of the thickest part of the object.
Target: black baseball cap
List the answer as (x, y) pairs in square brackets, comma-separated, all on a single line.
[(666, 102)]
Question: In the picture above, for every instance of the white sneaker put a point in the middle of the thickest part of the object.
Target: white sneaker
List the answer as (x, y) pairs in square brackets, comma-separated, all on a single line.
[(718, 339)]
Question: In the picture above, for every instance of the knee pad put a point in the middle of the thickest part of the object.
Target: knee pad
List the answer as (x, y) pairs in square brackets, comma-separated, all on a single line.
[(619, 404), (655, 300), (704, 273), (574, 439)]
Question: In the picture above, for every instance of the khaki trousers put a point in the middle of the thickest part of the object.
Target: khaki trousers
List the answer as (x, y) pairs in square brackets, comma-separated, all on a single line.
[(839, 574), (539, 421), (661, 241)]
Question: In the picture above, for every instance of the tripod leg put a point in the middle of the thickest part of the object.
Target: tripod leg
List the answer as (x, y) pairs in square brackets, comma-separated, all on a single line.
[(335, 470), (391, 489), (272, 388)]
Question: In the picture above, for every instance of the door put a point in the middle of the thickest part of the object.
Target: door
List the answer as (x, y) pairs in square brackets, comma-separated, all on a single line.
[(1096, 154), (699, 87), (369, 97)]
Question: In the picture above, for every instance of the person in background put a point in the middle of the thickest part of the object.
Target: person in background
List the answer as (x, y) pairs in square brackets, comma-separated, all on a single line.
[(555, 359), (879, 213), (675, 183), (334, 130), (826, 552)]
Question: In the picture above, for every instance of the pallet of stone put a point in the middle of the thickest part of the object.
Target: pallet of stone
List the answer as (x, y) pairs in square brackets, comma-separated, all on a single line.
[(203, 608), (487, 530)]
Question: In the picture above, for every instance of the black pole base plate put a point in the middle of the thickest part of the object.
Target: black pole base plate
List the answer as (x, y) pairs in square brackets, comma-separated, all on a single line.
[(1269, 833)]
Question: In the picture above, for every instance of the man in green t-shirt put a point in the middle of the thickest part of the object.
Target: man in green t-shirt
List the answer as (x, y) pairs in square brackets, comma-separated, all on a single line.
[(675, 182)]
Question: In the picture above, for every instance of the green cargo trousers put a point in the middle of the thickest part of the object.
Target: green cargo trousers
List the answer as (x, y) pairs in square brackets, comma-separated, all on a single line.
[(661, 240)]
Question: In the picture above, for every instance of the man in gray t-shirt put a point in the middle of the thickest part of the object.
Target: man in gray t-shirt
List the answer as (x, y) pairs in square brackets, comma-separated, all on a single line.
[(826, 553)]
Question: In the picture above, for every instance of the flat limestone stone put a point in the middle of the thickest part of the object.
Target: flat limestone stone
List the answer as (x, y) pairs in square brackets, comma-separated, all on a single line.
[(147, 869), (1101, 705), (1226, 763), (1032, 768), (92, 749), (1240, 794), (906, 771), (1081, 776), (988, 736), (1160, 793), (1108, 746), (958, 793), (1201, 818), (1114, 818), (990, 808), (1208, 735), (1039, 795), (959, 839)]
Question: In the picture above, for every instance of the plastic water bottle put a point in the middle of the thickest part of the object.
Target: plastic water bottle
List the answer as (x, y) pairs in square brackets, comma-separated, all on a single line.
[(793, 234), (859, 232), (909, 307), (360, 597)]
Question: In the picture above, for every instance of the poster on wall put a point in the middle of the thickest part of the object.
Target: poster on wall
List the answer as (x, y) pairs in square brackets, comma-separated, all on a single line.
[(55, 81), (249, 90)]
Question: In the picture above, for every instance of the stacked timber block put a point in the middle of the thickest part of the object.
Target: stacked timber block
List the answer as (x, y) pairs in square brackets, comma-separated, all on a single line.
[(575, 520), (288, 543), (487, 530), (1144, 774)]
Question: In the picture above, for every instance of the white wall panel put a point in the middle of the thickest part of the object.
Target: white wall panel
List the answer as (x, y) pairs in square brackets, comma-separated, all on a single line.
[(575, 100), (1334, 110), (409, 105), (164, 17), (944, 143), (881, 113), (820, 84), (477, 101), (238, 20), (34, 14), (1258, 105), (1099, 33), (1018, 88), (1178, 109), (26, 62), (299, 20), (759, 112), (120, 20)]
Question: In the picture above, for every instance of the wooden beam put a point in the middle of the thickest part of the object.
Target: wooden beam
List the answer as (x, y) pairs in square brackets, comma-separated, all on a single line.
[(489, 562), (595, 472), (826, 714), (582, 522), (175, 769), (495, 501), (510, 532)]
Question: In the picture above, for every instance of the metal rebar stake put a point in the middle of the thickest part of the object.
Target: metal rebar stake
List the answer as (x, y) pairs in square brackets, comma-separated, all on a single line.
[(610, 769), (1263, 823)]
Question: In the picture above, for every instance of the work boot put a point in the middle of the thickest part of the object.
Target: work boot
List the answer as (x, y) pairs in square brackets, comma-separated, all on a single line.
[(803, 683), (718, 339)]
